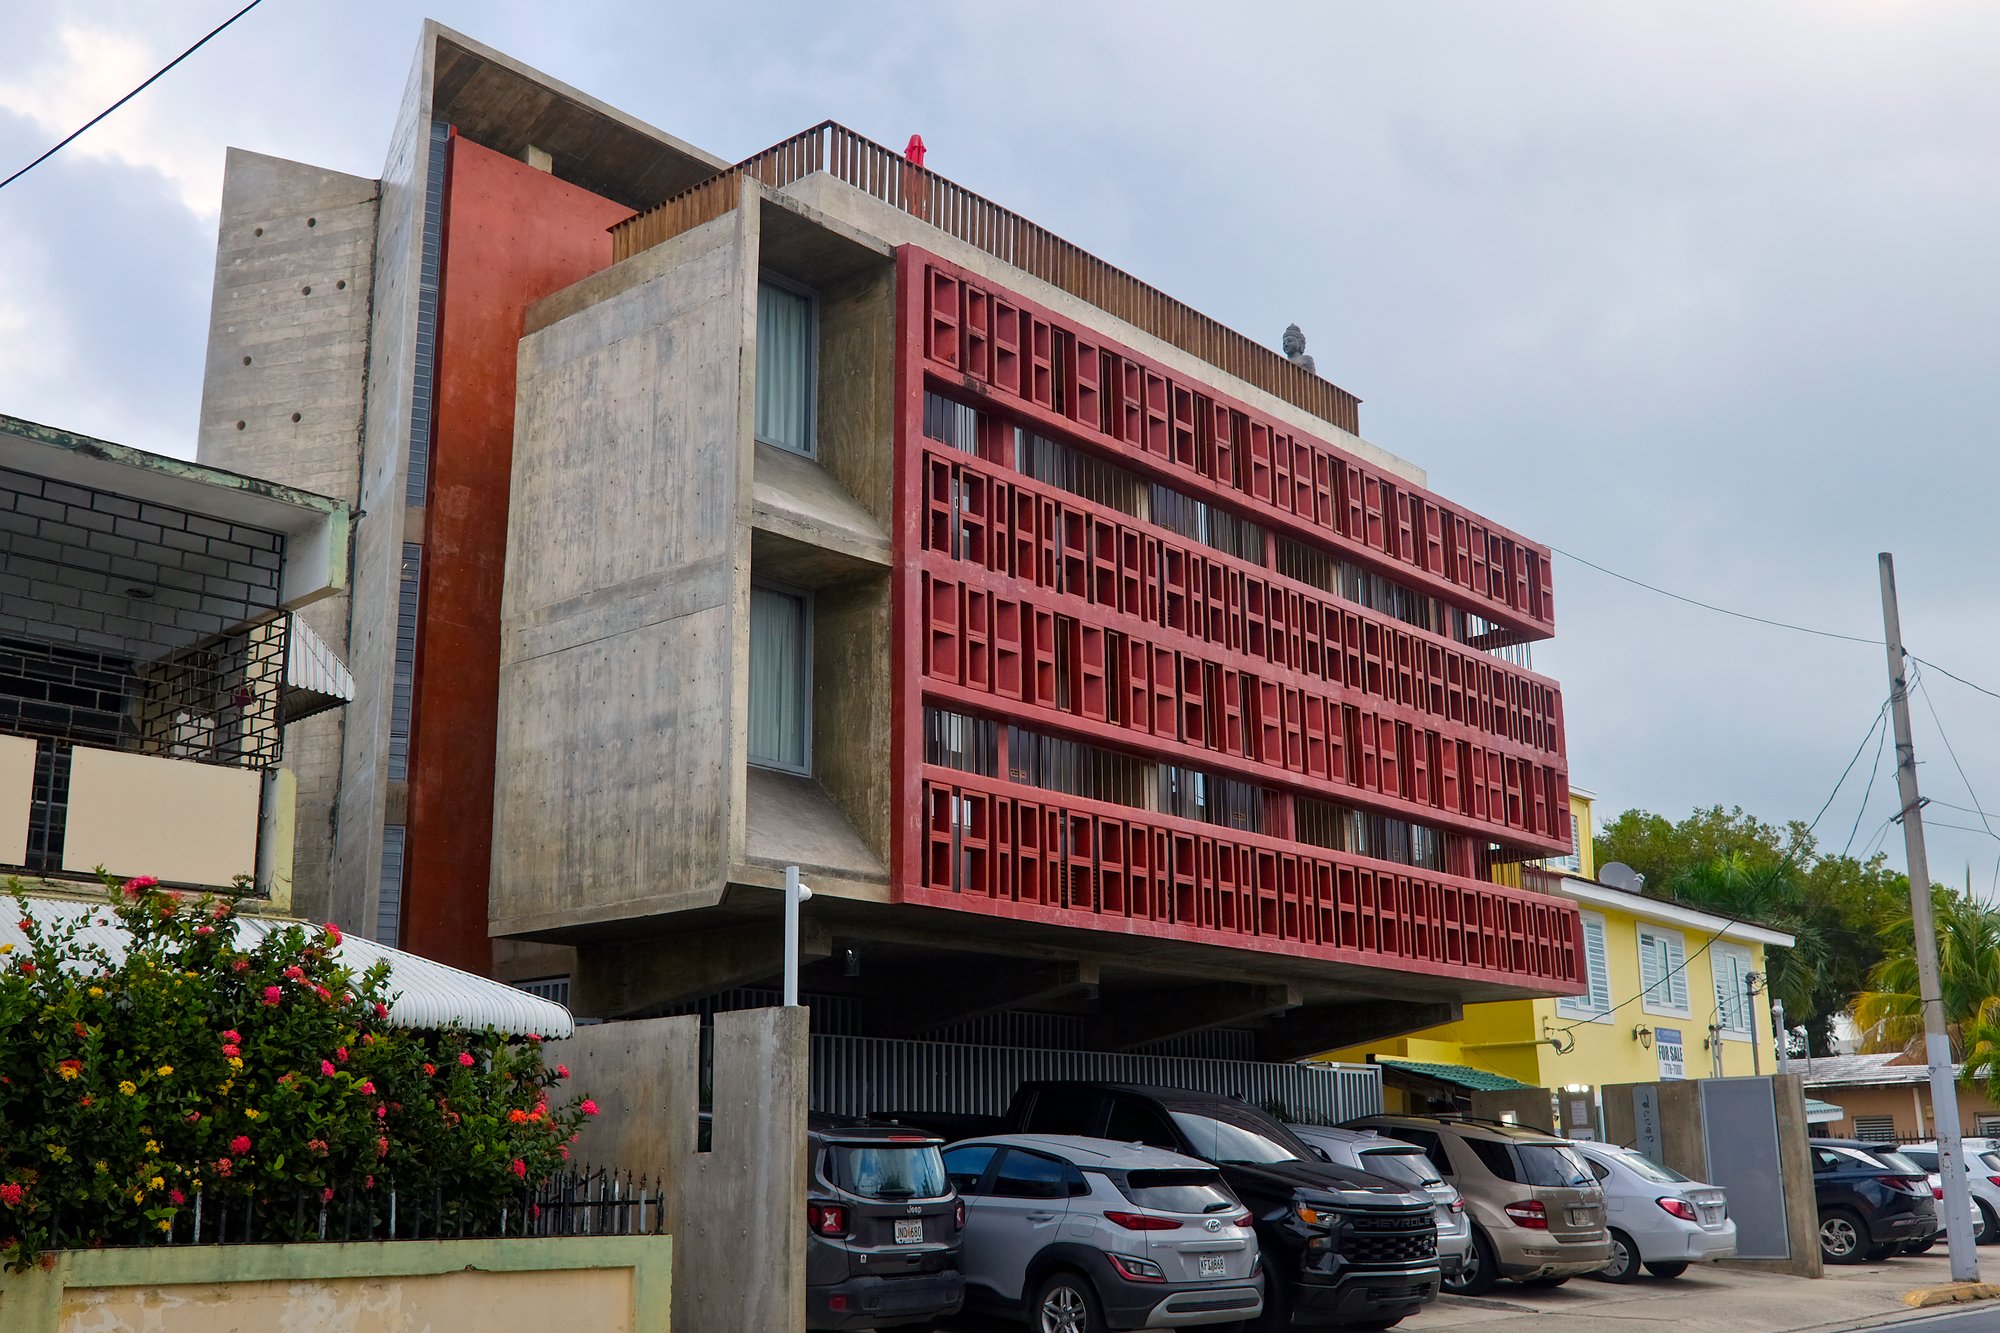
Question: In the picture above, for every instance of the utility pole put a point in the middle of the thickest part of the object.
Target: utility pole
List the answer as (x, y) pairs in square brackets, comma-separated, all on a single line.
[(795, 893), (1937, 1047)]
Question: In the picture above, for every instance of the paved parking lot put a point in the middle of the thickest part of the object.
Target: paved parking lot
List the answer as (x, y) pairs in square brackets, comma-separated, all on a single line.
[(1706, 1300)]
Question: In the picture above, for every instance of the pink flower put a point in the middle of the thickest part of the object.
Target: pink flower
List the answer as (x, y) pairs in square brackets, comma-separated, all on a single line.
[(232, 1050), (240, 965), (333, 932), (367, 1088), (519, 1168), (465, 1058), (295, 972), (368, 1182), (221, 911), (589, 1107), (223, 1166), (326, 1195), (346, 997), (562, 1071), (139, 883), (381, 1147), (232, 1036), (193, 1116), (381, 1010), (203, 930), (535, 1038), (564, 1150), (272, 995), (367, 1039), (176, 1198), (381, 1111), (326, 1067), (10, 1194), (323, 992), (240, 1144), (340, 1054)]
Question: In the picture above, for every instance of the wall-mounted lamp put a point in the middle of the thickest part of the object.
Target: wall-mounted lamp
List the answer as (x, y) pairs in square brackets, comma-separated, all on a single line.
[(1643, 1035)]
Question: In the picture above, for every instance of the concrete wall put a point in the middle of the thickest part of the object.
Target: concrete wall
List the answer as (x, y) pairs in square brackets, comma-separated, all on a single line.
[(625, 614), (282, 399), (607, 1284), (737, 1212)]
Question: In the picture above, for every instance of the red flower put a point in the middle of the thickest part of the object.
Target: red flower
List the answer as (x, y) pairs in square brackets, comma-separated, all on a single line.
[(340, 1054), (381, 1010), (223, 1166), (465, 1058), (562, 1071), (137, 883), (79, 1029), (25, 925), (193, 1116), (520, 1168), (272, 995), (326, 1195), (323, 992), (232, 1036), (27, 967), (535, 1038), (232, 1050), (589, 1107), (295, 972), (518, 1116), (564, 1150), (381, 1147), (368, 1182), (326, 1067), (367, 1088), (240, 965), (240, 1144), (203, 930), (10, 1194), (381, 1111), (429, 1069), (176, 1198), (221, 912), (333, 932)]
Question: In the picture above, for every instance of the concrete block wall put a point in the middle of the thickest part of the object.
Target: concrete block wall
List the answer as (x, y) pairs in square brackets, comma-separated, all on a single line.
[(282, 399)]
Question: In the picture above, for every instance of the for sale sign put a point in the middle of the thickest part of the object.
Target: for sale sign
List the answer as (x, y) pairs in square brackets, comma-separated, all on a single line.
[(1673, 1057)]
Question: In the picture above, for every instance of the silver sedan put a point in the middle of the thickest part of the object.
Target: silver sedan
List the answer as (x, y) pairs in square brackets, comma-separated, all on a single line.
[(1658, 1217)]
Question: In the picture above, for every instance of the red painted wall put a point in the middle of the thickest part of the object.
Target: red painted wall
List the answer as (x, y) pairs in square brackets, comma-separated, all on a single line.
[(512, 235), (1022, 602)]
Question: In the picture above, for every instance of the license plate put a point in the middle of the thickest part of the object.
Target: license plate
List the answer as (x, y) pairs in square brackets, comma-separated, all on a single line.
[(910, 1232), (1214, 1265), (1582, 1217)]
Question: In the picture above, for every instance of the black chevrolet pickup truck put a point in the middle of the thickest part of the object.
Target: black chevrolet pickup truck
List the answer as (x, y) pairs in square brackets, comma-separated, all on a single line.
[(1341, 1248)]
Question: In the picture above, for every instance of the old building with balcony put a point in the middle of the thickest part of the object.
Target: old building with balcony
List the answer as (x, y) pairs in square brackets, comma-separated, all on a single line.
[(1109, 688), (151, 660)]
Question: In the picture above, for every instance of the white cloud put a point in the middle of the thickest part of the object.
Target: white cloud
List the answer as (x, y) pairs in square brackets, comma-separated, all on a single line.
[(92, 68)]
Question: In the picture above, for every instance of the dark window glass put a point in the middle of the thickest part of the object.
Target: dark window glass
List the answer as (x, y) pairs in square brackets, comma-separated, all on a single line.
[(1060, 1111), (1432, 1145), (1927, 1160), (1239, 1134), (1027, 1175), (1178, 1191), (967, 1165), (888, 1173), (1403, 1167), (1137, 1122), (1597, 1168), (1494, 1157), (1551, 1164)]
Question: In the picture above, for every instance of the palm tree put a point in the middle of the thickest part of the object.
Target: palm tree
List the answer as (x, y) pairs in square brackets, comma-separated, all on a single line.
[(1766, 894), (1889, 1015)]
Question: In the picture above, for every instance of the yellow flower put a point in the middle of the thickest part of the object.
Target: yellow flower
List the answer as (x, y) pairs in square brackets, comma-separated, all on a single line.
[(166, 1224), (6, 948), (152, 1148), (227, 1084), (97, 992), (236, 1062), (128, 1087), (251, 1113), (165, 1071), (102, 1168), (58, 1152), (138, 1196), (156, 1183)]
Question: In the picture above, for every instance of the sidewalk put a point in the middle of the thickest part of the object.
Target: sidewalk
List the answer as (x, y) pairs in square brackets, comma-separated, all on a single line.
[(1708, 1298)]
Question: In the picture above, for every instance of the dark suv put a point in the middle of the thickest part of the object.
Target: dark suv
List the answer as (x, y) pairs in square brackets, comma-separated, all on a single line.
[(1872, 1202), (884, 1226), (1340, 1246)]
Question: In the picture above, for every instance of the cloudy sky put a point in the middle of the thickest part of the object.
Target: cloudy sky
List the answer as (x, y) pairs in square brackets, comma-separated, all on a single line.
[(1703, 292)]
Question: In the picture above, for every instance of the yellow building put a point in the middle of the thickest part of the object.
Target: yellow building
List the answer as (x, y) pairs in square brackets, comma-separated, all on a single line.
[(1674, 993)]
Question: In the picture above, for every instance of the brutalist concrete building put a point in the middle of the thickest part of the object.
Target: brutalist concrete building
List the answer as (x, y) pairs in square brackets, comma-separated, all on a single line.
[(715, 516)]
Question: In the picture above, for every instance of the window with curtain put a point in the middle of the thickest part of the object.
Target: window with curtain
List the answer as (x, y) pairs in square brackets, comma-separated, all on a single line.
[(1663, 971), (780, 679), (787, 377), (1594, 1002)]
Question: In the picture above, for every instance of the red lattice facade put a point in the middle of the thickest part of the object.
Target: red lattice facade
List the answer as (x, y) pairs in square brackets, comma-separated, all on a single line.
[(1168, 666)]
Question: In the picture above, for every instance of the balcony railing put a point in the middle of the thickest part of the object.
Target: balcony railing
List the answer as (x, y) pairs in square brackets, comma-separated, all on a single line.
[(1002, 233)]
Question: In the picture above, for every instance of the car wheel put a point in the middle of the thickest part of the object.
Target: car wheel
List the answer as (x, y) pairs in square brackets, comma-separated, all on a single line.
[(1480, 1272), (1066, 1303), (1841, 1239), (1672, 1270), (1624, 1265), (1544, 1281), (1985, 1227)]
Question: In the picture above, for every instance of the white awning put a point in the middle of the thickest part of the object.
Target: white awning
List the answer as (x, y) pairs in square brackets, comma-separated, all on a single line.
[(315, 678), (427, 994)]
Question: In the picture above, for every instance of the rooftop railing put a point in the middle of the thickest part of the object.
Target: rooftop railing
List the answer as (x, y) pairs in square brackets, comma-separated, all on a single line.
[(1002, 233)]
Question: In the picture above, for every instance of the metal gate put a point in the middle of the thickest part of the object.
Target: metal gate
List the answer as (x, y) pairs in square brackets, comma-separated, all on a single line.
[(866, 1075)]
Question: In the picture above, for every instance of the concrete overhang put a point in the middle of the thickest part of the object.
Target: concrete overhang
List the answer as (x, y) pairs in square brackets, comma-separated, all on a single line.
[(316, 528)]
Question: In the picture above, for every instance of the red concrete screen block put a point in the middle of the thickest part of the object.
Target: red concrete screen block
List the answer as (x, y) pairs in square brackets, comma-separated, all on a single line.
[(1190, 673), (512, 235)]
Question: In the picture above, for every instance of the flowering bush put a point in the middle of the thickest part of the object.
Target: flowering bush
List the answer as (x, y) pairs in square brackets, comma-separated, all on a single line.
[(245, 1074)]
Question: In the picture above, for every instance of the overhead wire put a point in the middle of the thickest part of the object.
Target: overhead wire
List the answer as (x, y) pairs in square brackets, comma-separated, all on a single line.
[(158, 74)]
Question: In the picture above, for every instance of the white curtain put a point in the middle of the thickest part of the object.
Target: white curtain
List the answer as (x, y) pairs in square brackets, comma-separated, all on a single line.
[(777, 679), (784, 368)]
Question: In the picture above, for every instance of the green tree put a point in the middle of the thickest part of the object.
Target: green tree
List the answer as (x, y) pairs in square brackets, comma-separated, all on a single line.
[(1771, 894), (1889, 1014)]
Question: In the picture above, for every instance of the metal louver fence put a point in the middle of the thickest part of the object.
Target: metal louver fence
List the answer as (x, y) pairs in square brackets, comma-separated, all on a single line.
[(872, 1075)]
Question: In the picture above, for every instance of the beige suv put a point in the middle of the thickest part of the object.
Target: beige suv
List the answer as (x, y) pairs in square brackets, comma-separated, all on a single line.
[(1537, 1211)]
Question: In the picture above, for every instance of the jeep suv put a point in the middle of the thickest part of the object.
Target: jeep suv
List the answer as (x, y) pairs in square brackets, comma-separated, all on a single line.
[(1340, 1246), (1537, 1210), (884, 1228)]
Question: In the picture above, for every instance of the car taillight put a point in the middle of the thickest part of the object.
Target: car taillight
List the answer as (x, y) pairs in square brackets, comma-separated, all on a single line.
[(1529, 1213), (1677, 1208), (1246, 1220), (958, 1214), (1135, 1269), (1141, 1222), (1937, 1191), (1458, 1205), (828, 1219), (1905, 1184), (1994, 1180)]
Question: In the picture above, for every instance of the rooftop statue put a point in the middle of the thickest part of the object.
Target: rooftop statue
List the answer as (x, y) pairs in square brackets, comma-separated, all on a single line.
[(1295, 348)]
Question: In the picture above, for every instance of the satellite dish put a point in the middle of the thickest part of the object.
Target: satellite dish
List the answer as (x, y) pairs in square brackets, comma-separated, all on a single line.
[(1621, 876)]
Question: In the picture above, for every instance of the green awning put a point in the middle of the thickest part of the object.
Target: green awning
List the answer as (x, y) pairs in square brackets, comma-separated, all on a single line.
[(1460, 1076)]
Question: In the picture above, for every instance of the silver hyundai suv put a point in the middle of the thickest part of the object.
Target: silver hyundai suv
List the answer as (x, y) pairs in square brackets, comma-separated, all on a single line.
[(1406, 1164), (1080, 1235)]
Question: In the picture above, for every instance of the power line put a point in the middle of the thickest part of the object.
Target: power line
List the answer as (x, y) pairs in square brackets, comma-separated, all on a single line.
[(78, 133), (1992, 694), (1874, 771), (1938, 722), (1719, 610)]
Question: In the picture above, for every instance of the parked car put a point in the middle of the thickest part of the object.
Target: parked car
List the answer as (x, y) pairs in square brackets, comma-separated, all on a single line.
[(1537, 1211), (1340, 1246), (1871, 1204), (1658, 1217), (1405, 1163), (1077, 1235), (884, 1228), (1981, 1157)]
